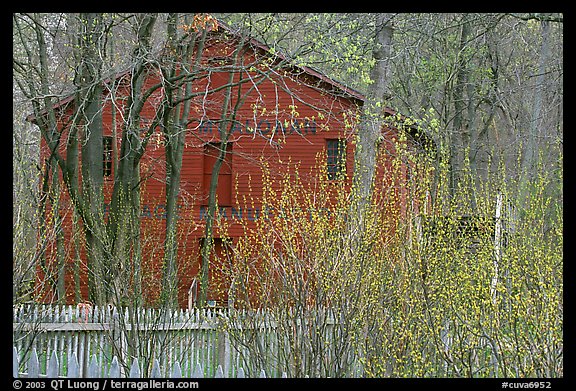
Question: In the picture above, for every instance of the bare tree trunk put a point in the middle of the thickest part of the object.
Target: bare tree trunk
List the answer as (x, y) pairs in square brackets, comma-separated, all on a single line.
[(124, 220), (370, 128), (533, 143), (89, 109), (60, 255), (365, 159), (460, 136), (175, 123), (49, 211)]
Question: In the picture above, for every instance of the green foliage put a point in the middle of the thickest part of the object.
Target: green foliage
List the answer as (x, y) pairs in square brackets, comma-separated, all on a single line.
[(430, 293)]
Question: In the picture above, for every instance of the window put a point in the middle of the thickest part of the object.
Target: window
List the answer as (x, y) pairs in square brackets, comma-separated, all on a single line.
[(336, 158), (107, 158)]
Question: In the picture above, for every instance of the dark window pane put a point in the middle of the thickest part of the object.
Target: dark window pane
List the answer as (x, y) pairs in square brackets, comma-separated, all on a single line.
[(336, 158), (107, 158)]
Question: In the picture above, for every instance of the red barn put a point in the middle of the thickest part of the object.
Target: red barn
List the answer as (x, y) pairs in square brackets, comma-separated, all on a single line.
[(292, 116)]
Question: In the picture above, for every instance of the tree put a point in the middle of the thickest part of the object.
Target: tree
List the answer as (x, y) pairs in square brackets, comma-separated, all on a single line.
[(370, 126), (174, 126), (88, 130), (533, 145)]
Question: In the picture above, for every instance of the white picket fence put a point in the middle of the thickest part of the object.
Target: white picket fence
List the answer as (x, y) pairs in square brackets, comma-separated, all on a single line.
[(95, 369), (148, 334), (88, 341)]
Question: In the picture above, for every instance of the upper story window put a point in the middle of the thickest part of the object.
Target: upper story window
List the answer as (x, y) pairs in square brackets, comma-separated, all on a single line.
[(336, 158), (107, 158)]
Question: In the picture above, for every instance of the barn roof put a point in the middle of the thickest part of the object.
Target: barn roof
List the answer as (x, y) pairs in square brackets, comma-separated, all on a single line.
[(418, 135)]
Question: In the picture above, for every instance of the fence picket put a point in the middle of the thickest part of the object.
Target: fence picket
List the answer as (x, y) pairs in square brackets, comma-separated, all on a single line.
[(198, 371), (73, 366), (114, 368), (33, 364), (176, 371), (156, 369), (134, 369), (15, 362), (93, 368), (53, 368)]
